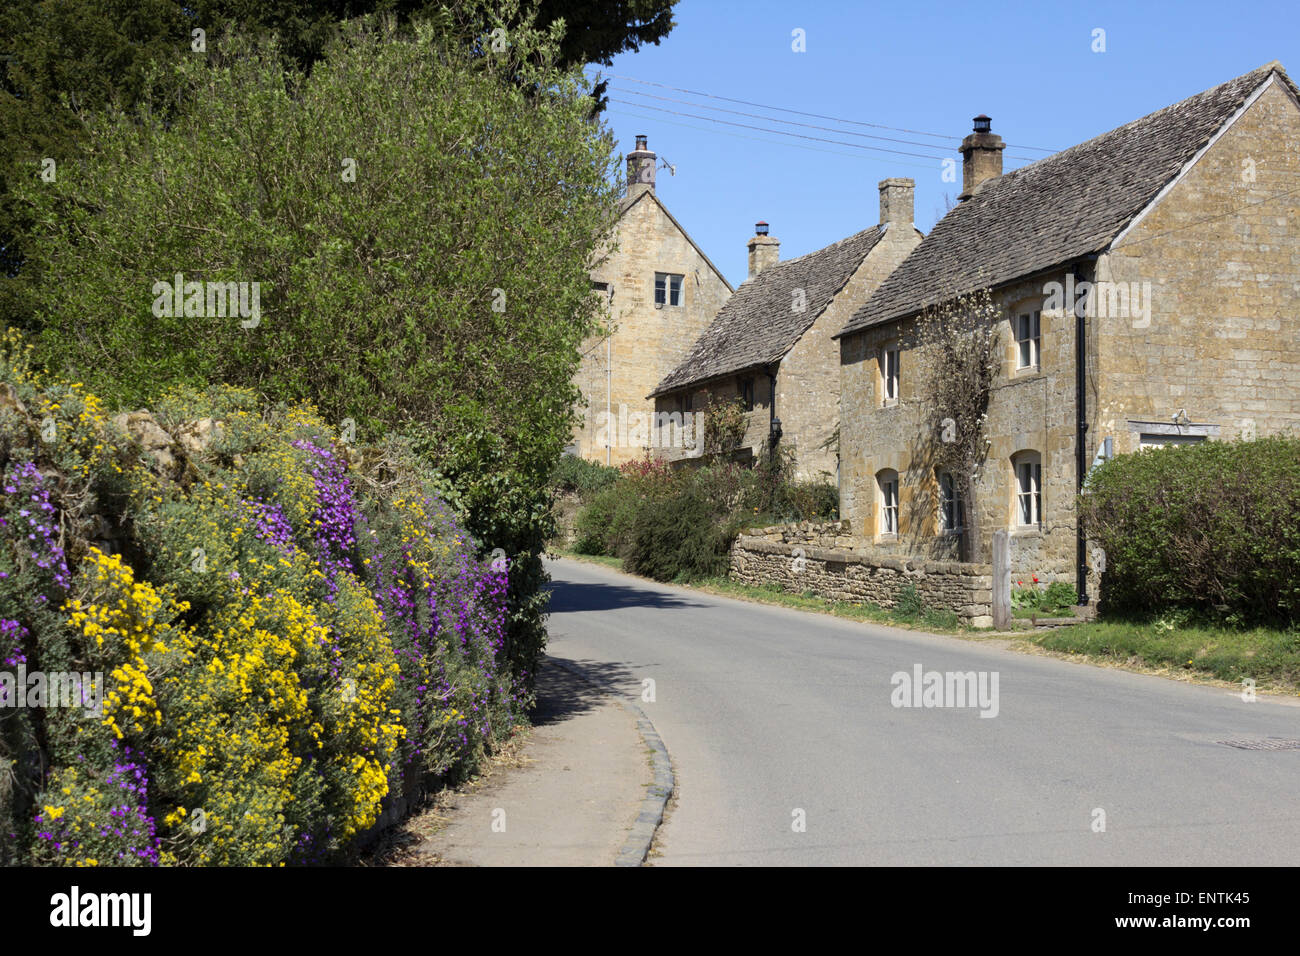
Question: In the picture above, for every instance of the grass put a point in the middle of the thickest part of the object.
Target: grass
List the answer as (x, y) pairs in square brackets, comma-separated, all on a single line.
[(1270, 657)]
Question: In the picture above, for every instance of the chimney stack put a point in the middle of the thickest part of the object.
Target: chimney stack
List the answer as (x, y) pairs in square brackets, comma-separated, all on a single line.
[(981, 157), (764, 250), (640, 169), (896, 196)]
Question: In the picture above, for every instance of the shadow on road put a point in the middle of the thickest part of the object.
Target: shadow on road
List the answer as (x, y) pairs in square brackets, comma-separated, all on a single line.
[(595, 596), (561, 694)]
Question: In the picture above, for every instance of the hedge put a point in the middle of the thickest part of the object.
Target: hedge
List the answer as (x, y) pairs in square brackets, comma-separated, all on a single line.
[(1212, 527)]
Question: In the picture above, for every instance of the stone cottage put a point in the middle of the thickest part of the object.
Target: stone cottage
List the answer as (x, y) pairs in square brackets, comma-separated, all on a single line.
[(774, 337), (662, 292), (1148, 284)]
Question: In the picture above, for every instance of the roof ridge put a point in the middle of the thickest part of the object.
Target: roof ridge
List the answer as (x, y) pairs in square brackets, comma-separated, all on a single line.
[(1270, 67), (1073, 203)]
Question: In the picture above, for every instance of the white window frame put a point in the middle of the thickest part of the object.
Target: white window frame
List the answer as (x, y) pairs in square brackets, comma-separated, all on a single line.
[(952, 504), (1029, 339), (890, 356), (668, 289), (1029, 490), (887, 483)]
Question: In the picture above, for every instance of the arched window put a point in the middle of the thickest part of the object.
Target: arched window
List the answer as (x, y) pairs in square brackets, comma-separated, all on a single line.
[(1029, 489), (887, 481)]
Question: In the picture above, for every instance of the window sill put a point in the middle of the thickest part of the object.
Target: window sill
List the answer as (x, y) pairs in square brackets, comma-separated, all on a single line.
[(889, 403), (1027, 531)]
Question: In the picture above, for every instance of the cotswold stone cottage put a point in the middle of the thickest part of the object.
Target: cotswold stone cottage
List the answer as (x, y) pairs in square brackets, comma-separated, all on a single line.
[(1149, 284), (663, 291), (774, 337)]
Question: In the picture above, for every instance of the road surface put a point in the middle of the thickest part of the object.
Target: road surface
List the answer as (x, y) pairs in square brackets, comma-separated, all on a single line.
[(788, 748)]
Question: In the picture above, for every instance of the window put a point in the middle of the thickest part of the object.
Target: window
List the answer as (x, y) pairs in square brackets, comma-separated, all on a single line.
[(1028, 340), (889, 374), (688, 402), (1148, 440), (1029, 490), (888, 481), (952, 506), (747, 393), (668, 288)]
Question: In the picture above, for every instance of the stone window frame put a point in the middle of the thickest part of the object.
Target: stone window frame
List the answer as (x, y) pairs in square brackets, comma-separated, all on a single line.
[(887, 482), (954, 500), (664, 287), (1033, 461), (895, 348)]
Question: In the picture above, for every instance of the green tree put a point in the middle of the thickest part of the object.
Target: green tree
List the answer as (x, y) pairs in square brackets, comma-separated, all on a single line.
[(62, 61), (421, 231)]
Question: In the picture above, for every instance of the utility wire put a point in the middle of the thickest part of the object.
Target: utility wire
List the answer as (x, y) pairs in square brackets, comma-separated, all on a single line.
[(829, 129), (772, 142), (836, 119), (778, 132)]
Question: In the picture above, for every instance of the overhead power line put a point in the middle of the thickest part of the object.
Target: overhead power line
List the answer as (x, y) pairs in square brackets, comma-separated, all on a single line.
[(828, 129), (778, 132), (759, 139), (835, 119)]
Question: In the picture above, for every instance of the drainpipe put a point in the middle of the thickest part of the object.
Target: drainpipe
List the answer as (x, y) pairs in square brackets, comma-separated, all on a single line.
[(609, 376), (1084, 273)]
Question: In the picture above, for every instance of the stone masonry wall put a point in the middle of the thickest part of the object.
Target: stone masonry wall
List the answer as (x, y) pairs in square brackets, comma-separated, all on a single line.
[(808, 383), (799, 559), (1222, 337), (647, 342)]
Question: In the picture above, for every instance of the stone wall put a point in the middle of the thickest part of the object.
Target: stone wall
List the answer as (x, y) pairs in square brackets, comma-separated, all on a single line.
[(818, 558)]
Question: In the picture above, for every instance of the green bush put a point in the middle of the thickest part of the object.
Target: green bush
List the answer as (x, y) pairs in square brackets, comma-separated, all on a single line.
[(1212, 527), (677, 539), (581, 477)]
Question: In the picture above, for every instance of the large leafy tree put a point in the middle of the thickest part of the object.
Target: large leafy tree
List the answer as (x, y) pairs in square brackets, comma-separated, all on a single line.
[(421, 225), (62, 61)]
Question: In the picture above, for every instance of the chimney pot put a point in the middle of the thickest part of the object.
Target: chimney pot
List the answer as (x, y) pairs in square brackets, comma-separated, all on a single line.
[(640, 168), (764, 250), (981, 157)]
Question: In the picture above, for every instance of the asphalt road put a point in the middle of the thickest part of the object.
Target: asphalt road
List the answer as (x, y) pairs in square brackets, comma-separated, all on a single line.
[(767, 712)]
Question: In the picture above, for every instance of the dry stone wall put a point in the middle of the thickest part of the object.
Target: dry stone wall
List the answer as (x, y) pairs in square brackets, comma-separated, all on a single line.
[(822, 558)]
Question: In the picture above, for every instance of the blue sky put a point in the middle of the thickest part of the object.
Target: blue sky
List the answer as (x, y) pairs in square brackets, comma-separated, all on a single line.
[(926, 67)]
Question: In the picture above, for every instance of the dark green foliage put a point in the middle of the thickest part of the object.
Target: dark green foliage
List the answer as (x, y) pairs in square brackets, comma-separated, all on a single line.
[(581, 477), (677, 539), (1212, 527)]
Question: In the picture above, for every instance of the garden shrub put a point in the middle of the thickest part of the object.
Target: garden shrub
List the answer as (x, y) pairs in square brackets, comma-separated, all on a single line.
[(677, 538), (1212, 527), (581, 477), (289, 628)]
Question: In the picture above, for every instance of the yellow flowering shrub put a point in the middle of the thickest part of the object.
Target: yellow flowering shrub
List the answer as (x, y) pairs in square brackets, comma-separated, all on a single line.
[(273, 665)]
